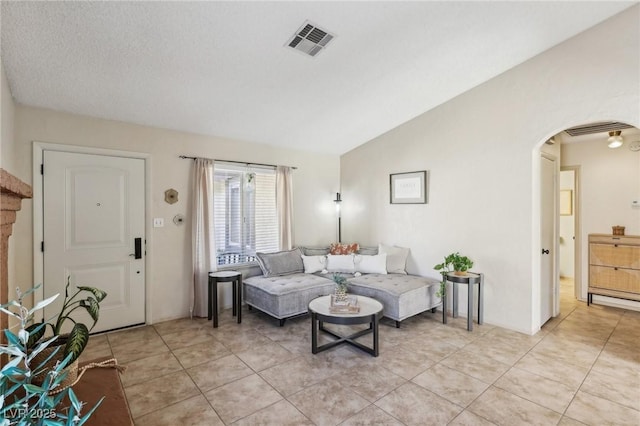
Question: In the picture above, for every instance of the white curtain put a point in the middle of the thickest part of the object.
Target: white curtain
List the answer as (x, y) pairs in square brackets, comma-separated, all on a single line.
[(202, 235), (284, 206)]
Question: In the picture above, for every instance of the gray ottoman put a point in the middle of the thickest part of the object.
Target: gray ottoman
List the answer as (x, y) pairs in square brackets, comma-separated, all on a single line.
[(285, 296), (401, 295)]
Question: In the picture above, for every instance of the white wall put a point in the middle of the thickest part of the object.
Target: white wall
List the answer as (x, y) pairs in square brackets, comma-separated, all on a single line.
[(315, 182), (7, 113), (609, 182), (482, 153), (567, 227)]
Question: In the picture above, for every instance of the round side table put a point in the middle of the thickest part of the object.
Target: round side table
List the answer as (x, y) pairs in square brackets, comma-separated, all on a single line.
[(235, 278), (469, 279)]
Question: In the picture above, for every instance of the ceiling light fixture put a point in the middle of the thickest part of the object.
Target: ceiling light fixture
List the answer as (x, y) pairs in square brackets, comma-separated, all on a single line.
[(615, 140)]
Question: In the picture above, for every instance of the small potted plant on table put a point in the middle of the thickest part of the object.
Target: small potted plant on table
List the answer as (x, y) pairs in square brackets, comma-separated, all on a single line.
[(455, 263), (341, 287)]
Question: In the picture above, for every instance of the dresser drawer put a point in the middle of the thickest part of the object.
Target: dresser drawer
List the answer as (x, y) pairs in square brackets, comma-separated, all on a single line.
[(620, 279), (622, 256), (630, 240)]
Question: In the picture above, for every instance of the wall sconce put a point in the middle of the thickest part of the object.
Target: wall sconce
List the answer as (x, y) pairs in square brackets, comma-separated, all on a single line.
[(338, 200)]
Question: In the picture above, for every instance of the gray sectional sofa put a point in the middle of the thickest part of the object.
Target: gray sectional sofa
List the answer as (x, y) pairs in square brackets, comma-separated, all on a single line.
[(285, 295)]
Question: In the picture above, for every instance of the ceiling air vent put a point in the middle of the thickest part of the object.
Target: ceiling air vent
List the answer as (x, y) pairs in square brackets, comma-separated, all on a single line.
[(609, 126), (309, 39)]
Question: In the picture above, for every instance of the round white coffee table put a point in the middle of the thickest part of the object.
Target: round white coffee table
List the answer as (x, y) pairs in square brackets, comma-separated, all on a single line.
[(370, 313)]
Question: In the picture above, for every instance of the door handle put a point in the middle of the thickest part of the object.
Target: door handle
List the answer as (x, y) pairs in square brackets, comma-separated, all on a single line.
[(545, 251), (137, 243)]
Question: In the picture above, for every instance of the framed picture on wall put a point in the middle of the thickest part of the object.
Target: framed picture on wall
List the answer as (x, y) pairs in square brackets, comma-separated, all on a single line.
[(566, 202), (408, 188)]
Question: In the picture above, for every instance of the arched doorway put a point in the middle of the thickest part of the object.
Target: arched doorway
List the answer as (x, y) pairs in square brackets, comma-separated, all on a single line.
[(595, 198)]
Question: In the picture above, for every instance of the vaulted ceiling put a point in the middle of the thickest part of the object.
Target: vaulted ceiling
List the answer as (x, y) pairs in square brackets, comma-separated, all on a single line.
[(223, 68)]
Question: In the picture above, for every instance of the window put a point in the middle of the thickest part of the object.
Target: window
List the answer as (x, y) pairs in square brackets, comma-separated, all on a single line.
[(244, 213)]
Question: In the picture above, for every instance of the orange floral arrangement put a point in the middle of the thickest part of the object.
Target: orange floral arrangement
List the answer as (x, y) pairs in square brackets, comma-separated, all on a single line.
[(339, 248)]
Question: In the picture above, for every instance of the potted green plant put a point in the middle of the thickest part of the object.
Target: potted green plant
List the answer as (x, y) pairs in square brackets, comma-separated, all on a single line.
[(341, 286), (24, 402), (455, 263), (461, 264), (73, 343)]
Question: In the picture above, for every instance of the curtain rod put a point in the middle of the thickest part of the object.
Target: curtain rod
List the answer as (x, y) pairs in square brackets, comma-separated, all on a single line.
[(186, 157)]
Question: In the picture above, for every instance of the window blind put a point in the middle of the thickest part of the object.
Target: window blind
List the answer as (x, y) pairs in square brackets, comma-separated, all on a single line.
[(244, 213)]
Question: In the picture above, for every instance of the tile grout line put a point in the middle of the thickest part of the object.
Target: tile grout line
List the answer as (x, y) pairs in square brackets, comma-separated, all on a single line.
[(513, 365), (183, 369), (202, 393), (284, 398), (531, 349), (400, 343), (254, 371), (563, 414), (591, 370), (187, 374)]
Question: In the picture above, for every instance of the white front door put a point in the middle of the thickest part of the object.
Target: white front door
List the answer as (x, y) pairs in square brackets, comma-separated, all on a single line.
[(94, 210), (547, 240)]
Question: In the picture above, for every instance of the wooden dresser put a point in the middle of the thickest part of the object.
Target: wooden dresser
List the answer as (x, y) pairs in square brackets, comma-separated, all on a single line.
[(614, 266)]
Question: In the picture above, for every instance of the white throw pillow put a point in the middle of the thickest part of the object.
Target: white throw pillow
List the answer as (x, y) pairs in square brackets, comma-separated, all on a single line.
[(341, 263), (396, 258), (313, 263), (376, 264)]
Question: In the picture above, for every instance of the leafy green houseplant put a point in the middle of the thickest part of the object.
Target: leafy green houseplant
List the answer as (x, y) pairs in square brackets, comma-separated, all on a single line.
[(22, 401), (461, 264), (455, 263), (87, 298)]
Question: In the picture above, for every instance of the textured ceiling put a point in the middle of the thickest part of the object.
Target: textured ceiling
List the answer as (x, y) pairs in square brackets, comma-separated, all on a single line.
[(222, 68)]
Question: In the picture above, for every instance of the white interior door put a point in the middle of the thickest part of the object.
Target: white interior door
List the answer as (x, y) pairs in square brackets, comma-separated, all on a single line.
[(93, 212), (547, 237)]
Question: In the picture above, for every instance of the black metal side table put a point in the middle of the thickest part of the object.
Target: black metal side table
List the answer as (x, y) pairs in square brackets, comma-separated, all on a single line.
[(235, 278), (470, 279)]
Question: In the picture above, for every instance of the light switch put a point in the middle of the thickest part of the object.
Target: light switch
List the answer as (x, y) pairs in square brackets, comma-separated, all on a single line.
[(158, 222)]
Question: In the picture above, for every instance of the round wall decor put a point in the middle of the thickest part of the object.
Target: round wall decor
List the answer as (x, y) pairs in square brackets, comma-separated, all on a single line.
[(171, 196)]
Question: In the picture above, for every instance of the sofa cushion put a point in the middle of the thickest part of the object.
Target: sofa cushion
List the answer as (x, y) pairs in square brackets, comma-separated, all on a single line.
[(314, 264), (396, 258), (285, 296), (401, 295), (281, 263), (369, 251), (315, 251), (341, 263), (371, 264)]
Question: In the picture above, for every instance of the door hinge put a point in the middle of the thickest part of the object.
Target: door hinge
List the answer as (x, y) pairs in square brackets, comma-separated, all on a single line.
[(42, 169), (42, 246)]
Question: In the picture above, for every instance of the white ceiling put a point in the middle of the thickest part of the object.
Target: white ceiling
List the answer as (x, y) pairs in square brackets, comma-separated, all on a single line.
[(222, 68)]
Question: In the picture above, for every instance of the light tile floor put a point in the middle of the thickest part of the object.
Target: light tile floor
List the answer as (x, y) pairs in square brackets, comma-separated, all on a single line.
[(583, 367)]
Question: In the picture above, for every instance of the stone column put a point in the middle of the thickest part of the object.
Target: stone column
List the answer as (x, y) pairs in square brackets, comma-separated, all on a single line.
[(12, 191)]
